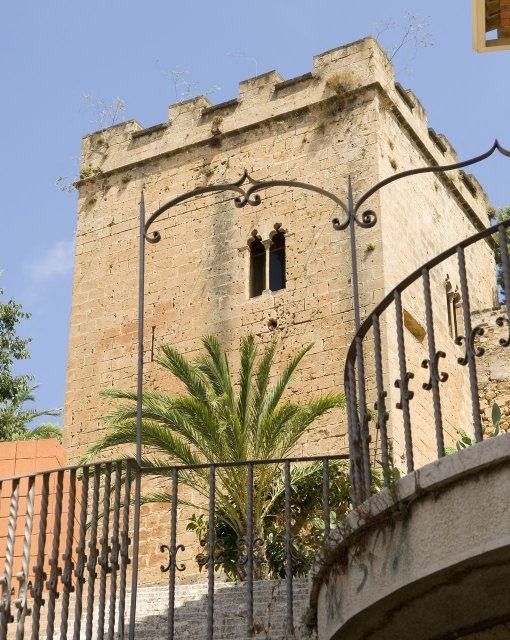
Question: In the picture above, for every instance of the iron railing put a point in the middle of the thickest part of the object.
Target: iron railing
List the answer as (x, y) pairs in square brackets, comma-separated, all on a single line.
[(69, 542), (67, 545), (402, 408)]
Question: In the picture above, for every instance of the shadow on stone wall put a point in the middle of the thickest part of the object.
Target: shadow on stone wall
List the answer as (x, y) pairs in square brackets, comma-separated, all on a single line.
[(230, 608)]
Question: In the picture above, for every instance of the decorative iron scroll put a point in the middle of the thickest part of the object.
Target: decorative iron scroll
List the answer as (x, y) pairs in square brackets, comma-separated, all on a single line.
[(436, 169), (501, 322), (405, 392), (435, 374), (248, 195), (172, 558), (477, 352), (245, 552)]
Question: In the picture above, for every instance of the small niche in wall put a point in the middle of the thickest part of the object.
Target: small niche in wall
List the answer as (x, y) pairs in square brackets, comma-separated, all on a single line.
[(413, 326)]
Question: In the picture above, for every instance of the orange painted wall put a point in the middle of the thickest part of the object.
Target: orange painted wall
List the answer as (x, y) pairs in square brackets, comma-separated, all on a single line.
[(21, 458)]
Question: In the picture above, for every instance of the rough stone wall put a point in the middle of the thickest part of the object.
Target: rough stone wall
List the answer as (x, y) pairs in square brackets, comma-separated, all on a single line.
[(197, 276), (493, 367), (345, 118), (191, 612)]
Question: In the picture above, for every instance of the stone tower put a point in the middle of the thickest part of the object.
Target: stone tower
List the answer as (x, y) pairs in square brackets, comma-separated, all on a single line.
[(348, 117)]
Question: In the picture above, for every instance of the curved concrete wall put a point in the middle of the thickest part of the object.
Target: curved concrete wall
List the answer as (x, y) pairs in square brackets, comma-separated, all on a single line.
[(429, 559)]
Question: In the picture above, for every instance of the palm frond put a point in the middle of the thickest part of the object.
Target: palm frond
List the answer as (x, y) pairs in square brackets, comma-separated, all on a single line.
[(248, 354), (274, 395), (184, 371), (154, 435), (46, 430), (262, 376), (271, 425), (283, 439), (217, 368), (187, 416)]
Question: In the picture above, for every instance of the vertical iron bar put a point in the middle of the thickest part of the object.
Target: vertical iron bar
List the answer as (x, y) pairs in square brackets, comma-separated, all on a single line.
[(39, 575), (404, 381), (103, 558), (124, 552), (288, 552), (325, 498), (505, 263), (21, 602), (211, 549), (52, 584), (114, 561), (6, 579), (249, 550), (80, 554), (355, 453), (382, 415), (173, 554), (357, 475), (471, 358), (67, 575), (354, 256), (139, 392), (363, 418), (354, 443), (436, 399), (92, 555)]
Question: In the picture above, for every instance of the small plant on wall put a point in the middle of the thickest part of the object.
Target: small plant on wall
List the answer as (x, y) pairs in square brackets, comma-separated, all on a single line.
[(464, 440)]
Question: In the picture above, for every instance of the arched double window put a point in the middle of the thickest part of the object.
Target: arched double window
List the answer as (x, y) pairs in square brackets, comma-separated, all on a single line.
[(264, 271)]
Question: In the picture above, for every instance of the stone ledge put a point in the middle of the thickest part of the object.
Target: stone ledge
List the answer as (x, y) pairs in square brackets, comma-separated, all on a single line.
[(392, 505)]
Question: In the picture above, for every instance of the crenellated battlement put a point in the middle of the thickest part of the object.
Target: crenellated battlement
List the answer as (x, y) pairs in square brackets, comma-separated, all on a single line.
[(338, 74)]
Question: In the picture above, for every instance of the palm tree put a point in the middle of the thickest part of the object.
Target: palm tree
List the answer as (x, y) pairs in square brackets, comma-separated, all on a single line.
[(219, 421), (15, 419)]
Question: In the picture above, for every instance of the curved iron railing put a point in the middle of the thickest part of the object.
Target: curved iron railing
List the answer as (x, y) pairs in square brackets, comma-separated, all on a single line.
[(398, 343)]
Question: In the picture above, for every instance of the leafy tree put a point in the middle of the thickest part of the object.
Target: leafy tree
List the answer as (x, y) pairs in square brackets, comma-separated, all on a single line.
[(15, 419), (12, 349), (219, 421), (15, 390)]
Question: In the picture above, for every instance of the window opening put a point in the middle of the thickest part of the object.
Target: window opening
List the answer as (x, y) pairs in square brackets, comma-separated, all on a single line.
[(277, 276), (257, 266)]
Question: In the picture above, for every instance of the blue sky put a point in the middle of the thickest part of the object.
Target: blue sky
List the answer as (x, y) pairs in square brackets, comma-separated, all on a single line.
[(53, 53)]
